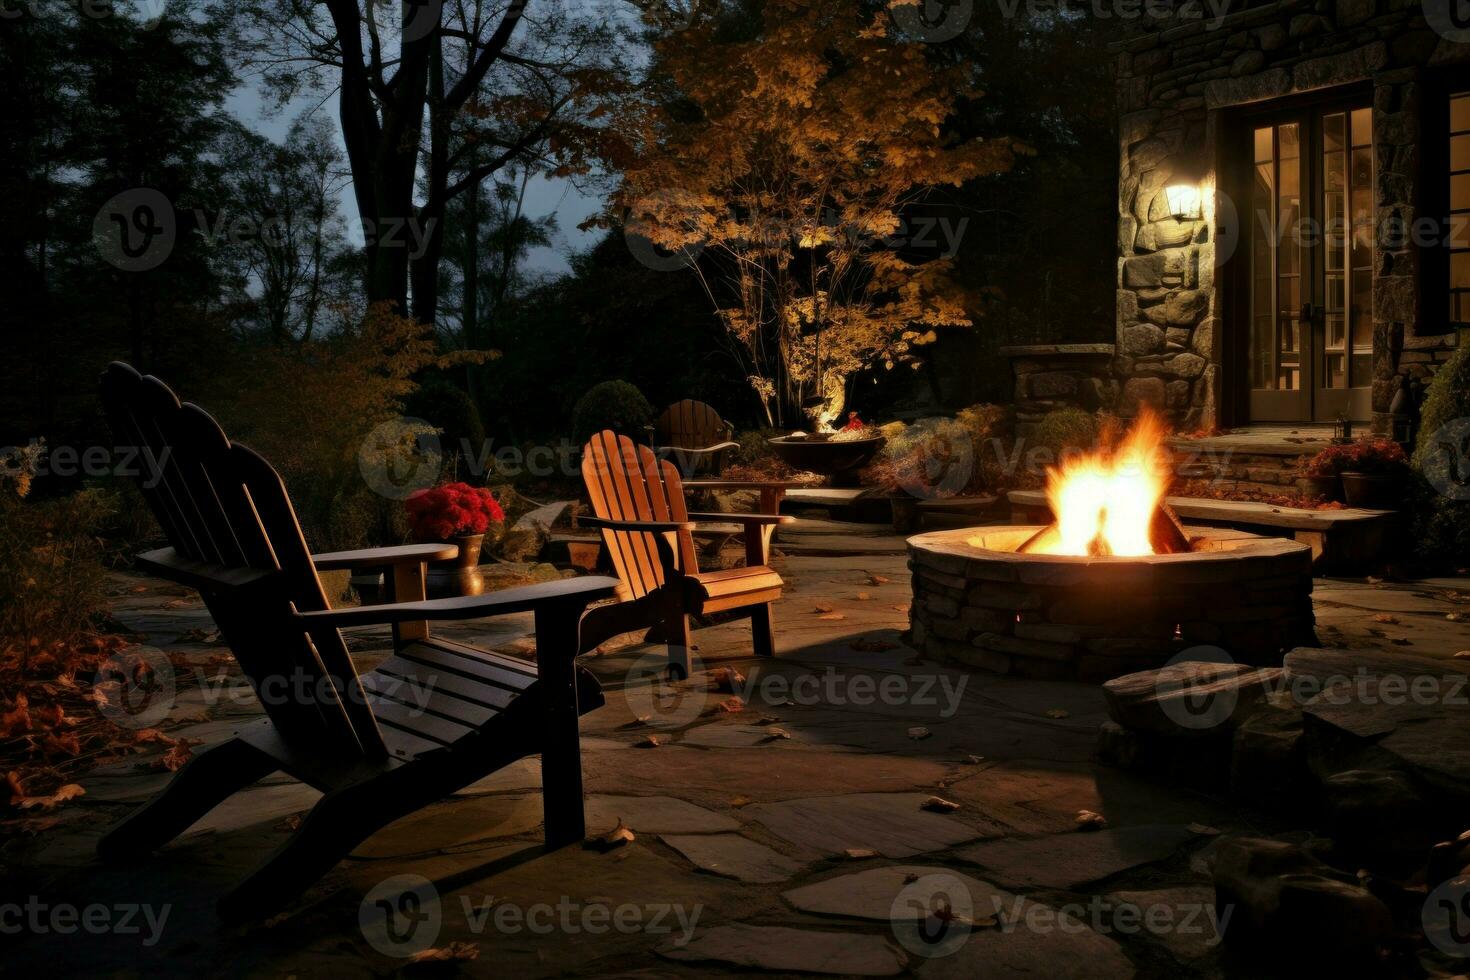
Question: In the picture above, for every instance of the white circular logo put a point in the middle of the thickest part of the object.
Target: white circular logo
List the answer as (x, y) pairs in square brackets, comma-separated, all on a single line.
[(638, 232), (1446, 917), (661, 699), (1450, 19), (401, 915), (135, 687), (1196, 711), (945, 462), (1446, 461), (933, 21), (135, 231), (400, 457), (933, 916)]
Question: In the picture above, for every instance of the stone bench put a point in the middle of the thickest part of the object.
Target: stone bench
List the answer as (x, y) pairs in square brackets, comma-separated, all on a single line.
[(1342, 541)]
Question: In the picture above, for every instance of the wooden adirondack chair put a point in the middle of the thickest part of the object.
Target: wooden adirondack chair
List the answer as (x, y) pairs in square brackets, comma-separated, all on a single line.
[(638, 503), (431, 719), (694, 436)]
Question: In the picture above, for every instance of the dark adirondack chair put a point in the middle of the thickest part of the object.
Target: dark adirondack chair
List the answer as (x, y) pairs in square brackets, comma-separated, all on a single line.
[(693, 435), (434, 717), (638, 503)]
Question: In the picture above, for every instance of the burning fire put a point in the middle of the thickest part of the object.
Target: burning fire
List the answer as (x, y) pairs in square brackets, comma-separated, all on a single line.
[(1107, 502)]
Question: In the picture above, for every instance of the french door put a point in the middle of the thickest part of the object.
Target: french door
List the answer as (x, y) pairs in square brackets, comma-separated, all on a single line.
[(1311, 241)]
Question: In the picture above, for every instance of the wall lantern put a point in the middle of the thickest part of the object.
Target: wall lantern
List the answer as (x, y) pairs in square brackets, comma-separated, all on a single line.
[(1184, 201)]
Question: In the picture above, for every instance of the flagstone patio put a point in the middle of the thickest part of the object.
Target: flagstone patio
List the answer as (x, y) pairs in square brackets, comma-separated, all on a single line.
[(779, 837)]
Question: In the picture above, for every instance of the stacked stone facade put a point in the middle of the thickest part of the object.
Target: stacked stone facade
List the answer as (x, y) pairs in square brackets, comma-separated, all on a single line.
[(1175, 80)]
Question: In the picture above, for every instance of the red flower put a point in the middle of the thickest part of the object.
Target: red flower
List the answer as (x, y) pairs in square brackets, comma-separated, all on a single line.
[(450, 510)]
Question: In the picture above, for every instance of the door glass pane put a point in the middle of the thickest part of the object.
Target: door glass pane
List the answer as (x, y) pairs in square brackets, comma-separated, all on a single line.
[(1360, 276), (1335, 232), (1263, 224), (1289, 259)]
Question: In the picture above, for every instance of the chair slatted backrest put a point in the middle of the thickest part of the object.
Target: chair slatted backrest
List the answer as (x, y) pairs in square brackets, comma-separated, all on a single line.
[(221, 504), (689, 424), (626, 482)]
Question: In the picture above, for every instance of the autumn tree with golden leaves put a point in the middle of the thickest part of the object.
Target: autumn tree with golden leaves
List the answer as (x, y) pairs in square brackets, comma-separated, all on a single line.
[(778, 164)]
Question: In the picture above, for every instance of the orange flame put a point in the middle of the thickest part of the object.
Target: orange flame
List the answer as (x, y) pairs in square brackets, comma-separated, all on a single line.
[(1105, 501)]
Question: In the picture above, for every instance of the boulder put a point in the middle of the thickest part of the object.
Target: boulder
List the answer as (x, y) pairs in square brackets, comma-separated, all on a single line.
[(1189, 698), (1267, 766), (1376, 814), (1288, 908), (1142, 339)]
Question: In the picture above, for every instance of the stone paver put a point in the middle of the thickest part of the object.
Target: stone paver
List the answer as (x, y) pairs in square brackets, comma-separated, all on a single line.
[(654, 815), (1044, 949), (890, 823), (870, 894), (1078, 858), (733, 856), (798, 950)]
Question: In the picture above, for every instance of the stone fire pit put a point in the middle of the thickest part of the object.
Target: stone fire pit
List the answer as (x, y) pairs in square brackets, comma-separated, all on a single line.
[(980, 604)]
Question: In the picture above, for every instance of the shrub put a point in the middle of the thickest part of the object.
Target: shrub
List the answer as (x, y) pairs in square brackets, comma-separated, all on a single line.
[(452, 509), (1066, 428), (1441, 522), (615, 405), (451, 411)]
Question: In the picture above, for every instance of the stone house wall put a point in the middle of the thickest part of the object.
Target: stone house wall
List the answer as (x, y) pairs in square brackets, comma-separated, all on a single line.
[(1175, 78)]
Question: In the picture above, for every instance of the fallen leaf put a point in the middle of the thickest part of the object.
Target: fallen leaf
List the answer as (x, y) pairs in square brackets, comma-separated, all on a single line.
[(1386, 618), (939, 805), (902, 607), (864, 596), (821, 607), (176, 757), (1455, 617), (878, 580), (919, 732), (832, 616), (974, 760), (731, 705), (68, 792), (454, 951), (292, 823), (1463, 655), (17, 721), (1087, 820), (1203, 829), (1058, 713), (740, 801), (613, 839), (774, 734), (859, 853), (647, 742), (727, 679)]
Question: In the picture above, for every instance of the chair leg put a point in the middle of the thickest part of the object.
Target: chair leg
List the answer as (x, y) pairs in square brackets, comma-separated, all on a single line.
[(677, 637), (206, 781), (763, 631)]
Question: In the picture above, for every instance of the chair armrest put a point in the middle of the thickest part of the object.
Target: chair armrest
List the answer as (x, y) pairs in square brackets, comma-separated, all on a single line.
[(581, 592), (703, 450), (742, 518), (740, 484), (408, 554), (652, 527)]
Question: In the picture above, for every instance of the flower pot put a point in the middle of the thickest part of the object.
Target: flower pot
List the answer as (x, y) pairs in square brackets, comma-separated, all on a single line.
[(1326, 487), (837, 461), (458, 576), (1375, 491)]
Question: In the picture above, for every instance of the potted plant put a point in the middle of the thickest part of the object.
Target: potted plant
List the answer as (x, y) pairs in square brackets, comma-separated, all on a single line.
[(1375, 474), (837, 455), (459, 514), (1322, 474)]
